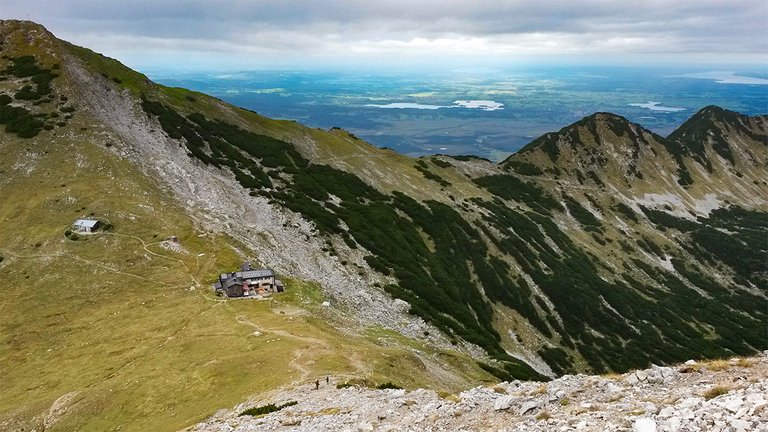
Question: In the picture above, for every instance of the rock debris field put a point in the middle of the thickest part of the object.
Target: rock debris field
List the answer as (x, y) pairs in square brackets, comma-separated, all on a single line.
[(714, 396)]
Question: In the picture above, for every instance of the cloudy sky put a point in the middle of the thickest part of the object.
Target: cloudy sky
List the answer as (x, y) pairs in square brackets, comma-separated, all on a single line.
[(225, 34)]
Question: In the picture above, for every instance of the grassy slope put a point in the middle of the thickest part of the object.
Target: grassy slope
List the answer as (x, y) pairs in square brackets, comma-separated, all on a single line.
[(110, 319)]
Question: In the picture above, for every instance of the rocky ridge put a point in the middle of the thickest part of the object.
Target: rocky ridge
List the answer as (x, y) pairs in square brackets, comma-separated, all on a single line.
[(717, 396)]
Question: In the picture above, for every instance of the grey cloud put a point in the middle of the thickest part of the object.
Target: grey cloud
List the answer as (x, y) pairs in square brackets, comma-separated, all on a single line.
[(705, 26)]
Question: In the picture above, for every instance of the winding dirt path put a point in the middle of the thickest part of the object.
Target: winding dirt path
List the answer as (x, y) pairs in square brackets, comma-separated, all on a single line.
[(305, 356), (146, 245)]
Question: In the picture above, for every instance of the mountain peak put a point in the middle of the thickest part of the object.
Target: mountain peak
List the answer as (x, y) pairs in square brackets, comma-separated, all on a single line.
[(24, 25), (21, 38), (615, 124), (710, 127), (587, 141), (29, 29), (714, 113)]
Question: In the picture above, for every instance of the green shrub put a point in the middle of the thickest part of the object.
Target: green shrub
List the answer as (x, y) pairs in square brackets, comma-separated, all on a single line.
[(388, 385), (498, 373), (26, 67), (441, 163), (581, 214), (524, 168), (422, 168), (20, 121), (266, 409), (466, 158), (626, 211), (511, 188)]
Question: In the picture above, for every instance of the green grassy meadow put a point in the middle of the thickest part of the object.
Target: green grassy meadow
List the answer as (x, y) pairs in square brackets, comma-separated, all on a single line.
[(114, 331)]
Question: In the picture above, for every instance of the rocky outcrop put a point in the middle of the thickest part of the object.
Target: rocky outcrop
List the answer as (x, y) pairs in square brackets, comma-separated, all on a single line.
[(710, 396)]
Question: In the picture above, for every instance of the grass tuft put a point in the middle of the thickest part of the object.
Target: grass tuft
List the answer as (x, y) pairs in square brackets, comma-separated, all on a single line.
[(715, 392), (717, 365)]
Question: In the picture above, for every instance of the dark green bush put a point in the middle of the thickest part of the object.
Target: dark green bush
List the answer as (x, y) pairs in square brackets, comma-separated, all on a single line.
[(422, 168), (467, 158), (24, 66), (511, 188), (441, 163), (524, 168), (626, 211), (581, 214), (20, 121), (665, 220), (266, 409), (388, 385), (498, 373)]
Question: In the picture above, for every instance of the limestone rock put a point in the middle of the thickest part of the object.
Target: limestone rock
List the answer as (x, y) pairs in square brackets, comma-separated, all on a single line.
[(644, 425), (528, 406), (594, 403), (503, 403)]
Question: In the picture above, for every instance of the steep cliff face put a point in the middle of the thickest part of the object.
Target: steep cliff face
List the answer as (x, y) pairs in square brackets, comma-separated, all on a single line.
[(655, 209), (601, 247)]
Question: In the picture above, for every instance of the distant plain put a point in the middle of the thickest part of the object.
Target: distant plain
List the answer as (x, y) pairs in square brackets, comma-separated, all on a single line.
[(485, 112)]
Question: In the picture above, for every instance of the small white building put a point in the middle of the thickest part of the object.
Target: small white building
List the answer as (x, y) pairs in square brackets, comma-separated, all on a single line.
[(86, 225)]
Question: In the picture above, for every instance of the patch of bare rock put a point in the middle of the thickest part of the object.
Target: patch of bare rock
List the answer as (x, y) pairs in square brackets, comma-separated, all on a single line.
[(718, 396)]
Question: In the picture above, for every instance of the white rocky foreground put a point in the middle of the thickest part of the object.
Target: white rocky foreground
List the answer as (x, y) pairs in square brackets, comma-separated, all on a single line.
[(686, 398)]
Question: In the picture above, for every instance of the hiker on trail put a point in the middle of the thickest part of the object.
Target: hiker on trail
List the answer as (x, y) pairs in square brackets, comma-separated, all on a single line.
[(317, 384), (327, 380)]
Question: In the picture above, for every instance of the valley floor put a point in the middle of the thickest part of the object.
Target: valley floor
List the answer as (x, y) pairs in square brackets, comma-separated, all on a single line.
[(726, 395)]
